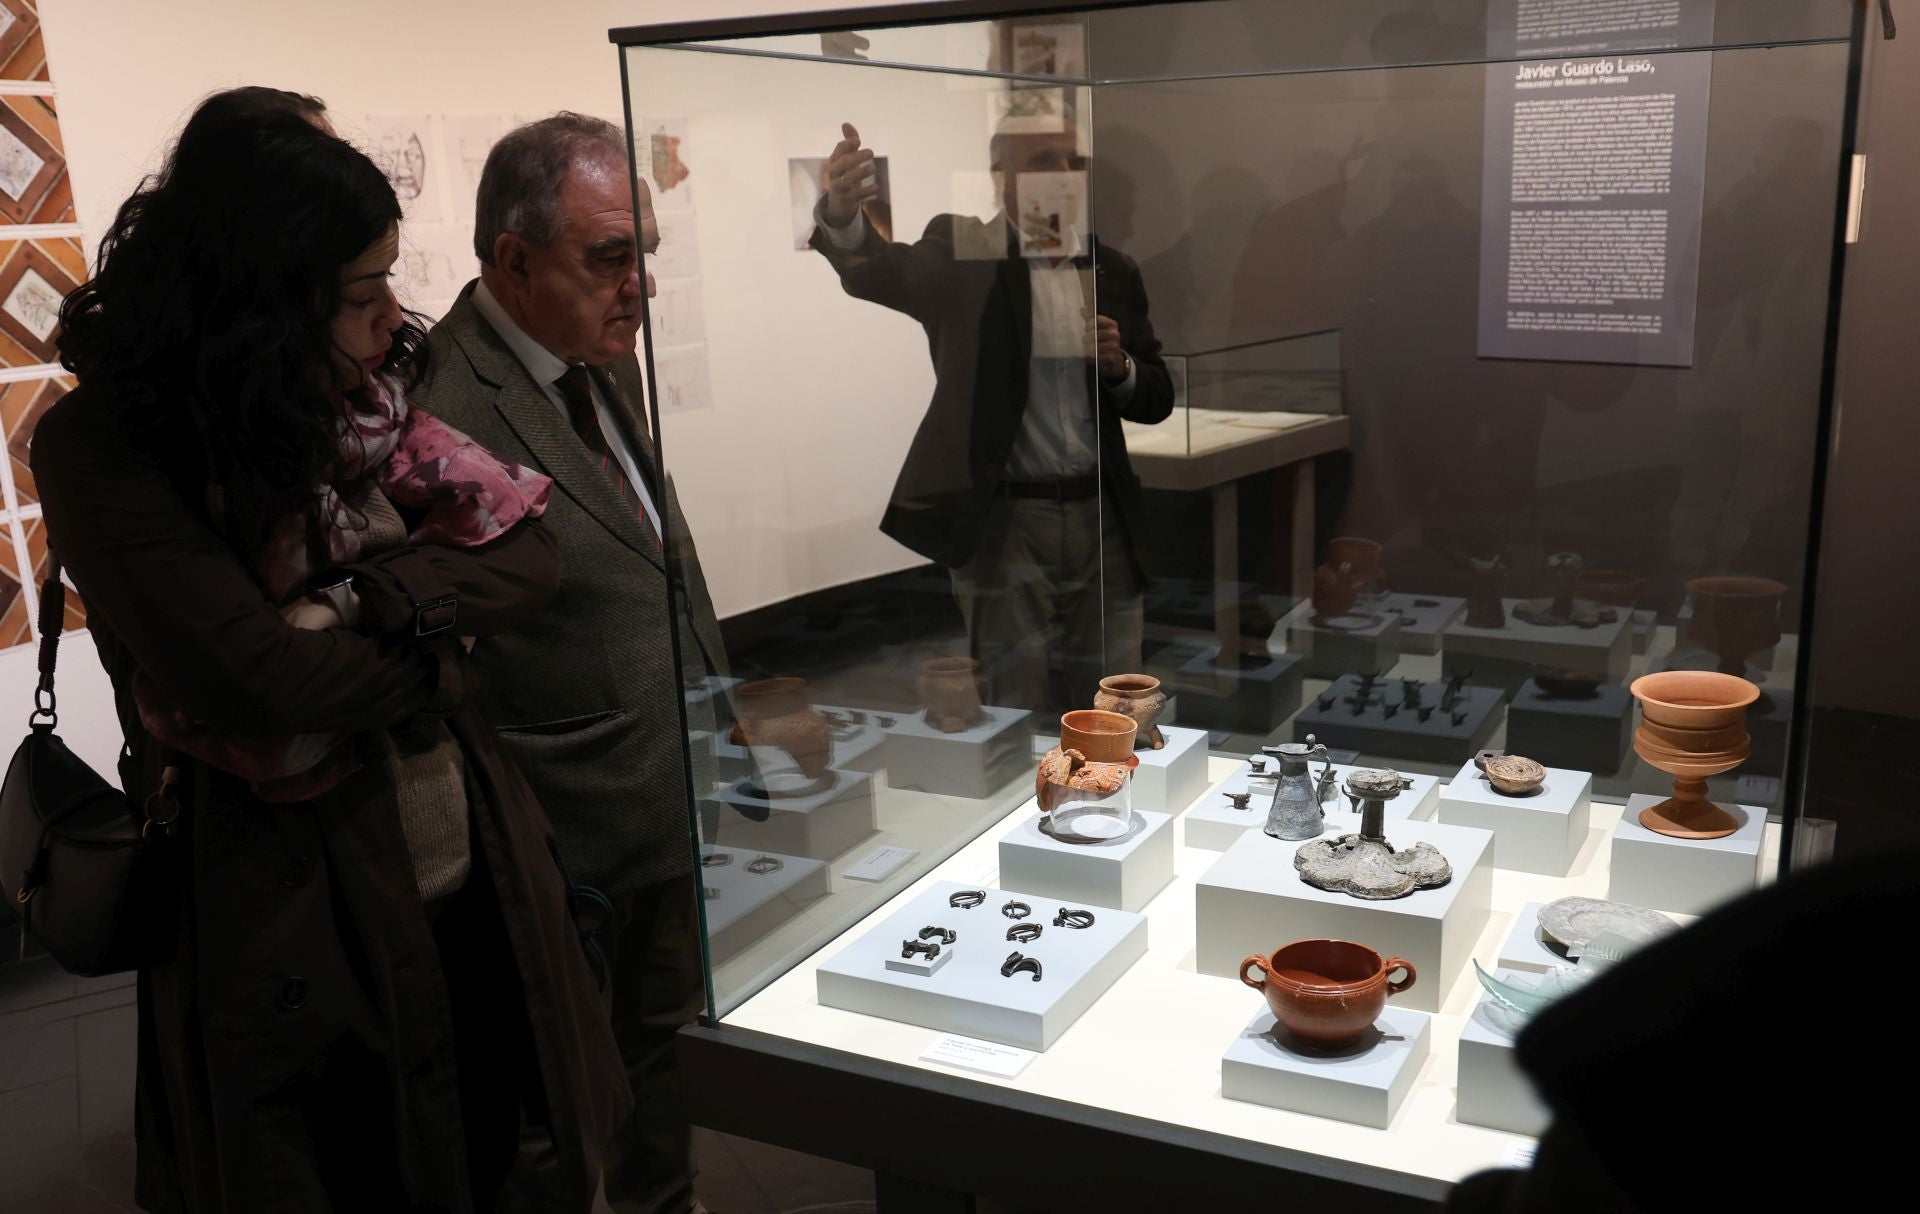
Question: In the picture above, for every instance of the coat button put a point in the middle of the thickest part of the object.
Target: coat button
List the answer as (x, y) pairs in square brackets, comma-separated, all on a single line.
[(296, 872), (293, 994)]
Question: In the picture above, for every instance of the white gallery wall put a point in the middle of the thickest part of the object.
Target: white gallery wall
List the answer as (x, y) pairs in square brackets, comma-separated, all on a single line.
[(126, 73)]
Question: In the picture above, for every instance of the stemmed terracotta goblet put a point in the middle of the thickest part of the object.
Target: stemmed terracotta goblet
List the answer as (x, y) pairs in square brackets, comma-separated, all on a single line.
[(1693, 724)]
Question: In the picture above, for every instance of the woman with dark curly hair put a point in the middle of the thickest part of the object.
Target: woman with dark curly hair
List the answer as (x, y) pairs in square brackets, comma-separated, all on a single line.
[(378, 998)]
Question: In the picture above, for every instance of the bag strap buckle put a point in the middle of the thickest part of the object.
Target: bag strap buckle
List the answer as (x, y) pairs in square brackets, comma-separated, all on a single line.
[(162, 807)]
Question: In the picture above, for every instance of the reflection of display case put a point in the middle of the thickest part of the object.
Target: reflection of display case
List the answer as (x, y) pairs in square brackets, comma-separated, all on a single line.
[(1246, 394), (1462, 507)]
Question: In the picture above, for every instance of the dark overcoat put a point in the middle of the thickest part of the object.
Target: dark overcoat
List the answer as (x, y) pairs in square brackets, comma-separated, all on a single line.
[(297, 1052)]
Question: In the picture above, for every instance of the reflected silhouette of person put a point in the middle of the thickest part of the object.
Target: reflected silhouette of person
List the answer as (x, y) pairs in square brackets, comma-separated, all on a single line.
[(1017, 481)]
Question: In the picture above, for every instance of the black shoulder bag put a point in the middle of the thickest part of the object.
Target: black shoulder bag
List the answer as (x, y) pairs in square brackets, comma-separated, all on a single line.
[(94, 876)]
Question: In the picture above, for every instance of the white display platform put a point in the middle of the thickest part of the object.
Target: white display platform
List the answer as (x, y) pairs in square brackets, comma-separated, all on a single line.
[(821, 826), (1365, 1083), (1167, 780), (1537, 834), (1247, 699), (968, 995), (1423, 617), (745, 905), (1329, 653), (1513, 652), (1525, 951), (1253, 901), (976, 762), (1691, 876), (1213, 822), (1123, 873), (1491, 1089)]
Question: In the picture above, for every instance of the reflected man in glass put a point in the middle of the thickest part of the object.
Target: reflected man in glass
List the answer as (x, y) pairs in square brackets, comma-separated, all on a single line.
[(1017, 481)]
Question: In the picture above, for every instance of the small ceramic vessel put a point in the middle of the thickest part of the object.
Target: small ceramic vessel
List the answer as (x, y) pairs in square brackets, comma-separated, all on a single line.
[(1693, 724), (1137, 696), (1326, 993)]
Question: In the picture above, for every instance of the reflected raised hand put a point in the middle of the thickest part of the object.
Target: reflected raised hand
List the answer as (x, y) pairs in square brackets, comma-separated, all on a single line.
[(848, 178)]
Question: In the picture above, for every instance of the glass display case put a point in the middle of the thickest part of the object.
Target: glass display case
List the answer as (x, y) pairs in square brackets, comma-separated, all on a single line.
[(1376, 446)]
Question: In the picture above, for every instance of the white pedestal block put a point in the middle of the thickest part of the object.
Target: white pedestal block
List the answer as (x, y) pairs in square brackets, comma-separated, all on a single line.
[(1168, 779), (919, 965), (1330, 652), (1253, 901), (1506, 656), (821, 826), (745, 905), (1524, 950), (1537, 834), (968, 995), (1124, 873), (1492, 1091), (1423, 617), (1364, 1084), (1214, 824), (1691, 876), (977, 762)]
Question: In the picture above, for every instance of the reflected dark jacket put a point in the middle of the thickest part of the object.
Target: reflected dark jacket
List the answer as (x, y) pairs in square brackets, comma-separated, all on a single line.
[(978, 317), (305, 964), (584, 692)]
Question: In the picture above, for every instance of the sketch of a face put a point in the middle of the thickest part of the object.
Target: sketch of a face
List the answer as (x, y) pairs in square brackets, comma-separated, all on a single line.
[(405, 158), (35, 304), (19, 165)]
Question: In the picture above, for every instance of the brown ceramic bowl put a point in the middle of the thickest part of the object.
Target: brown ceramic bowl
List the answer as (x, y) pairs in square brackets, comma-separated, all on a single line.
[(1102, 737), (1699, 702), (1609, 587), (1327, 993), (1361, 557), (1693, 724), (1137, 696)]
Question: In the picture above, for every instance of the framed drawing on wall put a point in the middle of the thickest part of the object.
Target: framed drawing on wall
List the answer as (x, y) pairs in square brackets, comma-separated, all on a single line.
[(32, 287), (29, 164), (19, 22)]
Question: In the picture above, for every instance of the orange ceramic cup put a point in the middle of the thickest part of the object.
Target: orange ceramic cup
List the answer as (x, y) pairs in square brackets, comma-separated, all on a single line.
[(1327, 993)]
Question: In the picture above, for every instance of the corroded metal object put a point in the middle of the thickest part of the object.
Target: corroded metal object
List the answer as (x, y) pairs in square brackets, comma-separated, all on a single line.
[(1364, 865), (1296, 809)]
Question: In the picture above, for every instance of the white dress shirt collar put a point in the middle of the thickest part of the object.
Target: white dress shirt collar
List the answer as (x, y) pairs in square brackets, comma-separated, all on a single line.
[(544, 365)]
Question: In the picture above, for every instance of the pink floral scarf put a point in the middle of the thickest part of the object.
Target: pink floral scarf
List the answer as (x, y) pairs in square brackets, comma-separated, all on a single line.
[(469, 496)]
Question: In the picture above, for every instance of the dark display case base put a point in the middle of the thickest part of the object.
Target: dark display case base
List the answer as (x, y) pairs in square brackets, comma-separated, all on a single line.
[(1589, 734), (1403, 735)]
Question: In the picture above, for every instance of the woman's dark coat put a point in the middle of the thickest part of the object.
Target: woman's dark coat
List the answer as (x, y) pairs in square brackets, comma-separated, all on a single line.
[(303, 1025)]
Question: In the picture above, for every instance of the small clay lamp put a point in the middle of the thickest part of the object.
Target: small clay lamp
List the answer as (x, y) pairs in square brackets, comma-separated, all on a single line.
[(1511, 775)]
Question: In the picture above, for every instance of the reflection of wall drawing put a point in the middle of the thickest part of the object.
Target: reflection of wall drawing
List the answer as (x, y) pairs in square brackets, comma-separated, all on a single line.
[(35, 304), (19, 165), (1027, 111), (1054, 49), (33, 170), (1053, 212), (665, 162), (679, 253), (677, 312), (23, 52), (35, 276), (469, 138), (404, 147), (681, 376)]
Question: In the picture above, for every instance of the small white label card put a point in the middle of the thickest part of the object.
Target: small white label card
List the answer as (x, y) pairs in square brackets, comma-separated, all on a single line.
[(879, 865), (1757, 790), (972, 1054), (1519, 1155)]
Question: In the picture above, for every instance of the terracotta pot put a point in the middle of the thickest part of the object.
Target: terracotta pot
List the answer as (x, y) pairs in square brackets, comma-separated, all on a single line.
[(774, 713), (1361, 557), (1095, 758), (1137, 696), (1609, 587), (1327, 993), (951, 690), (1734, 617), (1334, 592), (1693, 724)]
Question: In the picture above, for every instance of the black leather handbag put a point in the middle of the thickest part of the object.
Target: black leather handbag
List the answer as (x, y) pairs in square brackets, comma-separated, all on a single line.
[(94, 876)]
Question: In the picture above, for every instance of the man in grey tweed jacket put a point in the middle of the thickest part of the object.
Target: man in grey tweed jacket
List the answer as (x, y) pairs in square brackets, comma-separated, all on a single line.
[(536, 360)]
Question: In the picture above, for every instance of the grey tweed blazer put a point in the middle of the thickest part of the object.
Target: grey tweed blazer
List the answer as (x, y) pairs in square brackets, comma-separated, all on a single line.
[(585, 694)]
